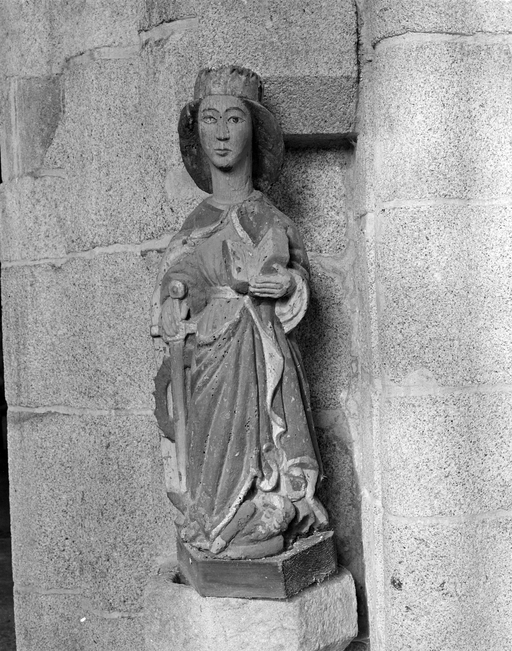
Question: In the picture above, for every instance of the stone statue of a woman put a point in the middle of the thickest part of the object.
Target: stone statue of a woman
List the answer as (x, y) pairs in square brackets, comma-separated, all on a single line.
[(233, 284)]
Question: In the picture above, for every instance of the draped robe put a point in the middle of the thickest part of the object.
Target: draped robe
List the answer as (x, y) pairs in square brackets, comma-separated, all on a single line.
[(249, 428)]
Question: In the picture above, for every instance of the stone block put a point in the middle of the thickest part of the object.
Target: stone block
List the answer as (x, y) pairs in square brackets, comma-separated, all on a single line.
[(324, 335), (321, 618), (340, 494), (445, 295), (156, 12), (32, 220), (31, 116), (83, 26), (363, 189), (114, 163), (26, 39), (77, 333), (40, 37), (164, 64), (447, 455), (443, 110), (448, 584), (88, 504), (305, 52), (64, 621), (392, 17), (311, 190)]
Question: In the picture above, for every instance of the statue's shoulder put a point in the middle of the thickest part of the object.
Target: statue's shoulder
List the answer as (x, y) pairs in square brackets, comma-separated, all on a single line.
[(272, 211), (202, 216)]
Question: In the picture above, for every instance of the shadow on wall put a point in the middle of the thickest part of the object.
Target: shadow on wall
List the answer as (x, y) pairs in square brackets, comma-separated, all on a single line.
[(7, 638), (312, 191)]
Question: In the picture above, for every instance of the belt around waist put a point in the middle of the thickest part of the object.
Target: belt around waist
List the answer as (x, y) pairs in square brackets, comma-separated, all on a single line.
[(224, 292)]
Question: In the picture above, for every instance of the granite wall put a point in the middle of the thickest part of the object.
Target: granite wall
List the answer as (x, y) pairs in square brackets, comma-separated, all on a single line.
[(93, 189), (433, 182), (407, 342)]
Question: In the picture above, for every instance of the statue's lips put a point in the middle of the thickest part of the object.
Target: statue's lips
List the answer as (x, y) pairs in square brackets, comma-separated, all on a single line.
[(222, 152)]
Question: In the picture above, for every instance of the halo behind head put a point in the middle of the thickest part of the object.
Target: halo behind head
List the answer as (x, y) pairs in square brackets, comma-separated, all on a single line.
[(268, 145)]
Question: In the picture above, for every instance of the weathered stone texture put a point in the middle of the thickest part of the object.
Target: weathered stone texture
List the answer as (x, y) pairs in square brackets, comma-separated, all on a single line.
[(40, 36), (304, 51), (339, 492), (101, 523), (445, 294), (78, 334), (443, 112), (324, 334), (32, 220), (114, 190), (447, 455), (321, 618), (163, 96), (83, 26), (23, 23), (434, 121), (156, 12), (448, 585), (363, 171), (311, 190), (65, 621), (392, 17), (31, 115)]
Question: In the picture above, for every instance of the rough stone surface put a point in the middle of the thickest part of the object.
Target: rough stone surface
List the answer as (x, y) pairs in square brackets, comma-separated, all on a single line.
[(40, 36), (114, 164), (65, 621), (392, 17), (77, 334), (443, 112), (363, 172), (447, 455), (324, 333), (311, 190), (22, 23), (448, 585), (32, 113), (156, 12), (339, 492), (88, 504), (88, 25), (445, 295), (31, 218), (305, 52), (321, 618)]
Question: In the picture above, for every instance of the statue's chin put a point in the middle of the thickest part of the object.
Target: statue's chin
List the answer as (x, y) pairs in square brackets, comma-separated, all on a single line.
[(225, 168)]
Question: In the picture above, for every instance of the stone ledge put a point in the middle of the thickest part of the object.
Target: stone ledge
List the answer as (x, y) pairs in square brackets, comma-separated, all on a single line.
[(321, 618)]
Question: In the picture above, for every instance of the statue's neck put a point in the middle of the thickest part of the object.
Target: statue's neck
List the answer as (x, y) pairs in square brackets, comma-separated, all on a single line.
[(233, 186)]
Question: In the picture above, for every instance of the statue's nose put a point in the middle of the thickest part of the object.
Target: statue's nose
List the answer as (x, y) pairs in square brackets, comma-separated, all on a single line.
[(222, 130)]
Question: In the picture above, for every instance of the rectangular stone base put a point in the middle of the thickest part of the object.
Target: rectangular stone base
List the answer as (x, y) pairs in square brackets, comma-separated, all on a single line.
[(322, 617), (310, 560)]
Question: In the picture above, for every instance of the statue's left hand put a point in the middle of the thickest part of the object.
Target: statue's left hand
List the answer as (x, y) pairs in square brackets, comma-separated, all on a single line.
[(275, 285)]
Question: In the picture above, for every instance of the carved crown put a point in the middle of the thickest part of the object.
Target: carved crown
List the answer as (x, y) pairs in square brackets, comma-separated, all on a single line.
[(229, 80)]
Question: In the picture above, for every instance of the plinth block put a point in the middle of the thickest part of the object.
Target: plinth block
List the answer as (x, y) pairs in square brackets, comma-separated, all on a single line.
[(311, 560), (322, 617)]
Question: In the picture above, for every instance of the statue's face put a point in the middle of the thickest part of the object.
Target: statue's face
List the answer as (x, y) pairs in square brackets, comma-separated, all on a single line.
[(225, 130)]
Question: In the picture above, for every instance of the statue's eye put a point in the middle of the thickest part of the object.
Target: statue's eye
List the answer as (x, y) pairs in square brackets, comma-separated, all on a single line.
[(235, 119), (209, 119)]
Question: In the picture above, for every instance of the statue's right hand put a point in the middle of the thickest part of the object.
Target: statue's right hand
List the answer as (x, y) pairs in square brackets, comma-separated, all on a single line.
[(174, 311)]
